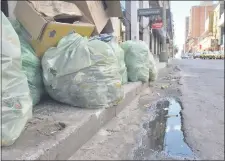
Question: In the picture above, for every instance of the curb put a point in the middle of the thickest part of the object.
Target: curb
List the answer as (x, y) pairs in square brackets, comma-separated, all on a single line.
[(81, 125)]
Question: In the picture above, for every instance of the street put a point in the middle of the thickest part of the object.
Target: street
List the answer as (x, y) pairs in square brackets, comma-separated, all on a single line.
[(203, 101), (143, 131)]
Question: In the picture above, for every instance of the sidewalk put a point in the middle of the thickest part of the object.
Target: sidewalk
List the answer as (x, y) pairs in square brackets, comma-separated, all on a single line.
[(57, 130), (161, 65)]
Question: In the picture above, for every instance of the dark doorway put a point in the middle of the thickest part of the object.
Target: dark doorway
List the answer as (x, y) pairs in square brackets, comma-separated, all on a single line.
[(140, 35)]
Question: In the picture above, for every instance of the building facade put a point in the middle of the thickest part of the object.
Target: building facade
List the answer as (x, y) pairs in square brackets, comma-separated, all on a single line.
[(197, 21), (198, 15), (185, 48), (221, 25), (138, 28)]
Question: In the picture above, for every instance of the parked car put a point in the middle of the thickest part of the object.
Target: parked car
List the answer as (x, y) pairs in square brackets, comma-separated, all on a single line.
[(196, 55), (185, 56)]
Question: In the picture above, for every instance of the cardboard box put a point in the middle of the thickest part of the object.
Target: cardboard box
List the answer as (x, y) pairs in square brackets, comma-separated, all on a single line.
[(43, 32), (99, 13), (56, 8)]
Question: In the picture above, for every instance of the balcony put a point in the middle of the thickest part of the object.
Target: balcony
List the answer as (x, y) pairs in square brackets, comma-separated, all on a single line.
[(221, 20)]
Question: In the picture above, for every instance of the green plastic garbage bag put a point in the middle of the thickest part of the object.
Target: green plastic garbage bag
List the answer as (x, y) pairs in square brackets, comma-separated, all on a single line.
[(83, 73), (120, 56), (16, 100), (110, 39), (137, 60), (31, 65)]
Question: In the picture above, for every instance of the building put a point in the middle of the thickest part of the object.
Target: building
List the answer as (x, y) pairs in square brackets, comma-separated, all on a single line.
[(185, 48), (219, 25), (198, 16), (138, 28), (206, 41), (197, 19), (186, 27), (212, 39)]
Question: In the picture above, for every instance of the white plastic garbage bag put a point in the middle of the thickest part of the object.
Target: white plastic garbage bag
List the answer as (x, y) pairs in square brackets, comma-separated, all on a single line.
[(120, 56), (110, 39), (141, 65), (16, 100), (82, 73), (137, 59)]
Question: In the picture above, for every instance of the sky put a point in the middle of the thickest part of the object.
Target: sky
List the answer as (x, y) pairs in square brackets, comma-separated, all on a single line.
[(181, 9)]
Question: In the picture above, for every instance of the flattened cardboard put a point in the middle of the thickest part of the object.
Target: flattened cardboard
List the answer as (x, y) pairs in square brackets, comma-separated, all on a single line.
[(44, 33), (56, 8)]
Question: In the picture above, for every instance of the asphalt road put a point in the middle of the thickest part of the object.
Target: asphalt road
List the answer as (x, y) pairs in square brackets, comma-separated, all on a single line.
[(203, 102)]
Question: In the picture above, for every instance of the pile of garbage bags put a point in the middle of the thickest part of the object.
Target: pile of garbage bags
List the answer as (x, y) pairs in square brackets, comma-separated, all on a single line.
[(16, 100), (139, 61), (83, 73), (31, 65)]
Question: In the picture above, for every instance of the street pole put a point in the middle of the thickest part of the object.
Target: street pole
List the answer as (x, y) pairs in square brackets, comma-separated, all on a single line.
[(163, 56), (172, 51)]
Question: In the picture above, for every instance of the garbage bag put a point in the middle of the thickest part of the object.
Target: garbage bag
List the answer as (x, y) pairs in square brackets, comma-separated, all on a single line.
[(120, 57), (137, 60), (83, 73), (31, 65), (118, 52), (16, 100)]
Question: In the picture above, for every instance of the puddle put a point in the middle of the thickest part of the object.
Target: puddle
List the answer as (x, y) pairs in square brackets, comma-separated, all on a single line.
[(163, 138)]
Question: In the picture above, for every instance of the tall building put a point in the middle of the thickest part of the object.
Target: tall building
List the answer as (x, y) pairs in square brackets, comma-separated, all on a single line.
[(197, 19), (198, 16), (186, 27), (186, 33)]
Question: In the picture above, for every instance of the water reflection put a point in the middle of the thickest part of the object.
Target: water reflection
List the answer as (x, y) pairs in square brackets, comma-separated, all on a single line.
[(164, 137)]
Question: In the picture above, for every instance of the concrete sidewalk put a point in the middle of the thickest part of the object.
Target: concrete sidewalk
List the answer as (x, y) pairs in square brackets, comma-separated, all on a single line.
[(57, 130), (161, 65)]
